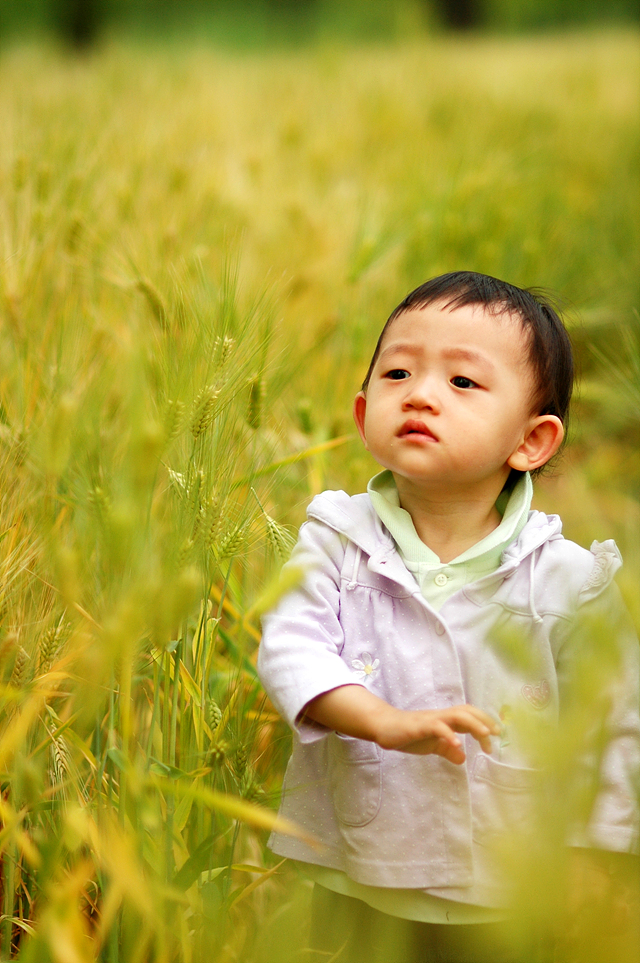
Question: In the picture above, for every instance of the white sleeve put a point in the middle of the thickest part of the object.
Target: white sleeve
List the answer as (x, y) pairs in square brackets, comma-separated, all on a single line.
[(299, 656)]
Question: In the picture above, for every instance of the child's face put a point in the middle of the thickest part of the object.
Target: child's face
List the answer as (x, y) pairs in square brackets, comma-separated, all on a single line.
[(449, 403)]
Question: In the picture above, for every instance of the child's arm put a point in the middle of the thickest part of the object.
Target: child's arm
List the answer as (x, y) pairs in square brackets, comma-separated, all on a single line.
[(354, 711)]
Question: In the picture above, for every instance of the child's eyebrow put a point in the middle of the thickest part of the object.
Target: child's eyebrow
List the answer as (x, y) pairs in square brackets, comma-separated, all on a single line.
[(400, 348), (466, 354), (455, 354)]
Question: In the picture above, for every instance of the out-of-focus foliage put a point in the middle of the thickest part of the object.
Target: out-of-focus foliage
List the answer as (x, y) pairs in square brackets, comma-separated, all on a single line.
[(163, 425), (258, 22)]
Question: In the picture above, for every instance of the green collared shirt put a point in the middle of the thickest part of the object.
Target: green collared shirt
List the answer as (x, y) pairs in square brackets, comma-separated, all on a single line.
[(439, 580)]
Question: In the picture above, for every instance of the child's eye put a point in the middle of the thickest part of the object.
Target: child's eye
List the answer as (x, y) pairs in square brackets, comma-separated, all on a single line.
[(397, 374), (461, 382)]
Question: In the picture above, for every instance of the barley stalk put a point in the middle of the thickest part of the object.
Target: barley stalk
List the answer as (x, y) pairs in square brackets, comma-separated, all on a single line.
[(210, 519), (231, 543), (214, 714), (203, 410), (18, 676), (48, 646), (184, 555), (240, 760), (173, 418), (154, 300), (177, 479), (256, 399), (280, 539), (61, 766), (217, 754), (225, 346)]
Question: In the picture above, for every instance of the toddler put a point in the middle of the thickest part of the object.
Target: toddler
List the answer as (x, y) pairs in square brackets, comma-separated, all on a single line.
[(386, 660)]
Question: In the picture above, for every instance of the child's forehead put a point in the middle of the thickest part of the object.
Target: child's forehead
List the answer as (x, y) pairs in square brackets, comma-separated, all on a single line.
[(458, 330)]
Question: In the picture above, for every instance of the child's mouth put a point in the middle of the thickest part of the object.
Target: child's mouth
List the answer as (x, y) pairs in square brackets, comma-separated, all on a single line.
[(416, 428)]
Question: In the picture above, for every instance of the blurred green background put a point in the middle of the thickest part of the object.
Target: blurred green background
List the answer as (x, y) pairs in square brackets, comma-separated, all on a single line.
[(250, 22)]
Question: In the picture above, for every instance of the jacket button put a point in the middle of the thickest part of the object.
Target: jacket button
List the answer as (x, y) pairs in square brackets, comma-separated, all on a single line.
[(439, 628), (441, 579)]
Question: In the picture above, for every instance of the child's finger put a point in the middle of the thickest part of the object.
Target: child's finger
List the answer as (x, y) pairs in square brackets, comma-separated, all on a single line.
[(436, 735), (445, 733), (477, 724), (472, 720), (484, 717), (455, 754), (449, 745)]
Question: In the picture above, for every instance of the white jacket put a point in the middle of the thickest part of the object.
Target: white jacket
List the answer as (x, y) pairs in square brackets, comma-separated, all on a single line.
[(509, 643)]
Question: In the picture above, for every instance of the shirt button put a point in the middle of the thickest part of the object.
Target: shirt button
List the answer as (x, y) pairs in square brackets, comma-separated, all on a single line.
[(439, 628), (441, 579)]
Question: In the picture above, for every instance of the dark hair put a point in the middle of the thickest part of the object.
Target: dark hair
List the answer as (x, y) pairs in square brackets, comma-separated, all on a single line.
[(550, 353)]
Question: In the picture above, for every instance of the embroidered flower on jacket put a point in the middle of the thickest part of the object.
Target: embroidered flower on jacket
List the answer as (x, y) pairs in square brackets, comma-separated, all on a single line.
[(366, 666)]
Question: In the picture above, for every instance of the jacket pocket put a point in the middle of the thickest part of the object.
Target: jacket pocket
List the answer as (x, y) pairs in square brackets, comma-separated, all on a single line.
[(503, 799), (355, 774)]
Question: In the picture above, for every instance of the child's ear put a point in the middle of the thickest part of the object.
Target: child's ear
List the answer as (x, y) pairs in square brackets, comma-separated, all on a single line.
[(359, 411), (543, 438)]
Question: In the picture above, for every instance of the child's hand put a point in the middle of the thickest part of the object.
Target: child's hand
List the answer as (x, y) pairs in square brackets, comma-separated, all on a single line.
[(434, 731), (354, 711)]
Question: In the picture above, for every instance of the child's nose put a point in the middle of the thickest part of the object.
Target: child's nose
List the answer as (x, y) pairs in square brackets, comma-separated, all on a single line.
[(423, 394)]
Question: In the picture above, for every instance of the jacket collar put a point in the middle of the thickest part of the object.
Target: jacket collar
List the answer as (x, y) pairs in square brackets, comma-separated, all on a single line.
[(356, 519)]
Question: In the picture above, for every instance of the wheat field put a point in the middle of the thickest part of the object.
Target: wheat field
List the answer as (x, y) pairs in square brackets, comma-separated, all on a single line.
[(198, 251)]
